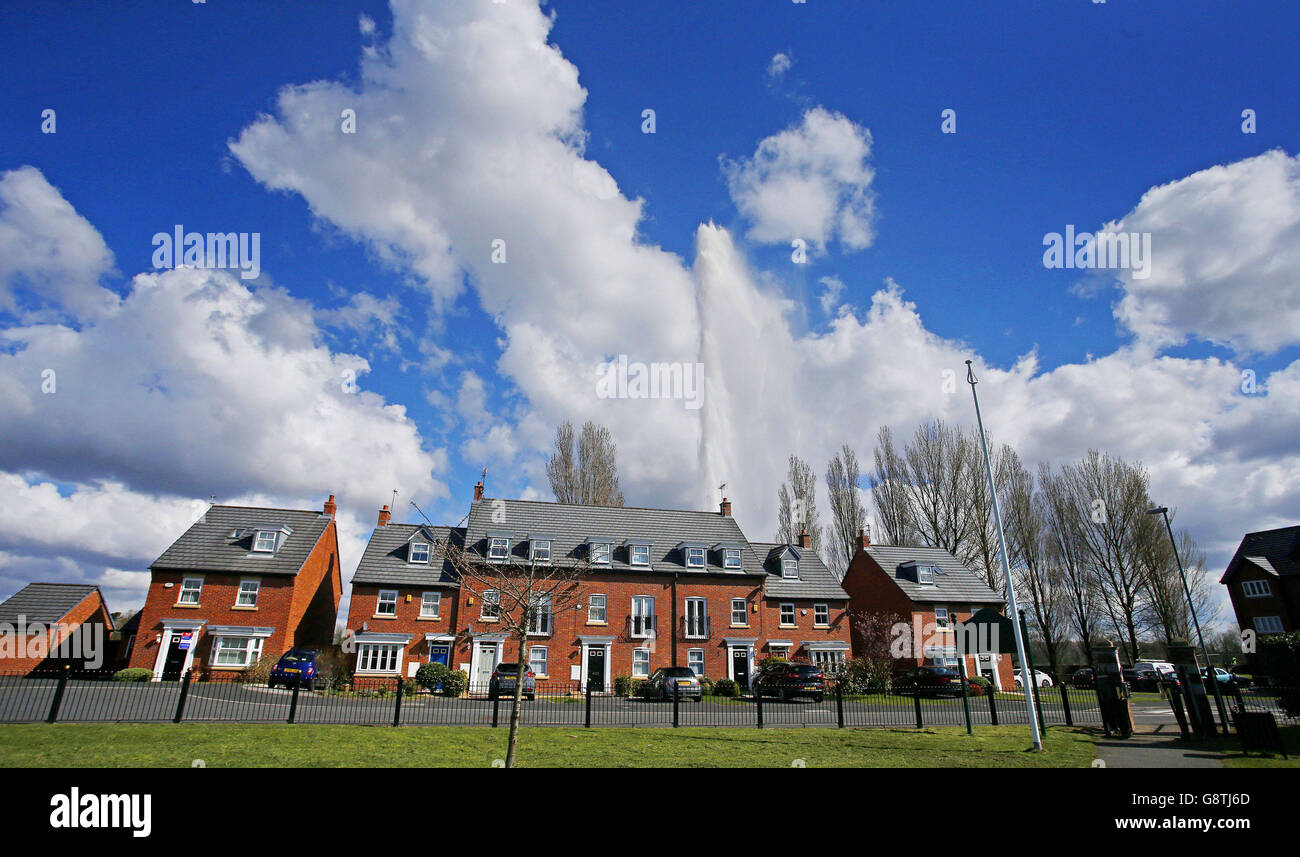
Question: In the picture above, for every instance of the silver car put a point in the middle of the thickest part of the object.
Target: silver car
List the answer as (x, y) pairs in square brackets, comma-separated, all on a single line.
[(680, 680)]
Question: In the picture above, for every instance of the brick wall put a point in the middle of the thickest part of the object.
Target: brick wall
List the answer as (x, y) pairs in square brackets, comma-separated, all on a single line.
[(82, 619), (365, 600)]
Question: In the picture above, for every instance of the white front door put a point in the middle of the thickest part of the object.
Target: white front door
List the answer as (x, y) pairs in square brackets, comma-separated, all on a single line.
[(488, 656)]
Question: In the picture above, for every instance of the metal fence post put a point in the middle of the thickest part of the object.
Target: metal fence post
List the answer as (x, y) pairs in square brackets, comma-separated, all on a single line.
[(916, 703), (1065, 704), (993, 705), (839, 701), (965, 692), (397, 709), (758, 700), (496, 701), (58, 696), (587, 724), (293, 702), (185, 692), (677, 693)]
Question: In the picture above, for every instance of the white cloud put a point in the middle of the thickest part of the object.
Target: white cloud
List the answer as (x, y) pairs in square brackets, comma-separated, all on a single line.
[(832, 292), (1225, 258), (811, 181), (778, 66), (366, 24)]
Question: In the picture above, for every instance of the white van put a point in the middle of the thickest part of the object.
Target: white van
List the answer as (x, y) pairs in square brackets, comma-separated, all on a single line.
[(1161, 667)]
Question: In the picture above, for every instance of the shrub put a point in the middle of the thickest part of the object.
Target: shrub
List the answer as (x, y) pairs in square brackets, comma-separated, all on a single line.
[(863, 676), (133, 674), (642, 689), (706, 686), (332, 666), (726, 687), (979, 685), (431, 676), (623, 685), (258, 673), (770, 660), (455, 682), (1279, 657)]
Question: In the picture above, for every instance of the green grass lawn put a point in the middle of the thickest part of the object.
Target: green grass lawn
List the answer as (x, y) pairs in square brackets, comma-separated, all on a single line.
[(118, 745), (1290, 737)]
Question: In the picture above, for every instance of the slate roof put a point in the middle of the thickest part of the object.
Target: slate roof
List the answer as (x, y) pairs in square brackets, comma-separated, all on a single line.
[(572, 525), (385, 557), (956, 583), (815, 579), (1274, 551), (222, 541), (44, 602)]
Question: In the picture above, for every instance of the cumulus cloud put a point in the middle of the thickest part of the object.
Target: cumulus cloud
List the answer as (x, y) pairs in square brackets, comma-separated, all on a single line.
[(811, 181), (1225, 258)]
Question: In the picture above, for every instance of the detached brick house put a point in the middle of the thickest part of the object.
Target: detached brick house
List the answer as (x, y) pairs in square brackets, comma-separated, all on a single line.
[(1263, 580), (52, 625), (240, 584), (929, 589), (664, 587)]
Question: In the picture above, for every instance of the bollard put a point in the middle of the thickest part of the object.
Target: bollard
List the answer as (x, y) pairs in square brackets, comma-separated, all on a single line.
[(677, 693), (916, 703), (1065, 704), (58, 696), (496, 700), (993, 705), (839, 701), (293, 702), (758, 700), (185, 692), (397, 709), (587, 723)]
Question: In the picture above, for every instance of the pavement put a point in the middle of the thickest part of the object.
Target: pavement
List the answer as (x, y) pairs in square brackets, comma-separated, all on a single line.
[(1158, 746)]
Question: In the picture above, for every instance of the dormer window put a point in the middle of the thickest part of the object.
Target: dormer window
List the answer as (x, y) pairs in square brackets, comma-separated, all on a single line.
[(731, 558), (265, 541), (541, 551), (598, 553), (695, 557), (639, 555), (498, 548), (420, 552), (925, 574), (790, 567)]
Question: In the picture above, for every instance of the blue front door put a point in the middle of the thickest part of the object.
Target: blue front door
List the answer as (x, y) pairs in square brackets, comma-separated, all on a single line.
[(439, 653)]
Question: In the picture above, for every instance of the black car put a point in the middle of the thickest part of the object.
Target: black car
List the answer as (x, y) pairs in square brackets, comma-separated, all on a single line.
[(1084, 679), (928, 681), (789, 681)]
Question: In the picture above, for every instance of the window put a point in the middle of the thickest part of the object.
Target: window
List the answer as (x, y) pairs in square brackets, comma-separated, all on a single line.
[(419, 552), (830, 662), (265, 541), (695, 660), (696, 620), (542, 551), (387, 603), (1256, 589), (821, 615), (789, 567), (431, 605), (191, 588), (1268, 624), (731, 558), (378, 657), (640, 554), (782, 652), (739, 614), (491, 607), (540, 621), (787, 614), (596, 609), (236, 651), (640, 663), (498, 548), (643, 616), (941, 618), (537, 659), (248, 590), (924, 574), (695, 557), (598, 553)]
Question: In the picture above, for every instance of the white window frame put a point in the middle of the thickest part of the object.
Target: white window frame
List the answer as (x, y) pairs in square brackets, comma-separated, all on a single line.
[(782, 652), (503, 544), (1256, 589), (592, 607), (383, 599), (435, 600), (640, 650), (251, 648), (426, 552), (825, 611), (634, 614), (794, 619), (257, 589), (925, 575), (376, 658), (702, 629), (257, 541), (744, 613), (730, 554), (541, 622), (694, 554), (533, 661), (633, 558), (693, 656), (186, 588), (1268, 624), (830, 660), (598, 553), (789, 563), (942, 619), (538, 553), (491, 598)]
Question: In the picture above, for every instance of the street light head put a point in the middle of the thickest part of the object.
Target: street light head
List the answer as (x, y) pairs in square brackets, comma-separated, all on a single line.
[(1160, 510)]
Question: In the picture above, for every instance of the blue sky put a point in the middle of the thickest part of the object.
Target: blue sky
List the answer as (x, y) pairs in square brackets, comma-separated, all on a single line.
[(1067, 113)]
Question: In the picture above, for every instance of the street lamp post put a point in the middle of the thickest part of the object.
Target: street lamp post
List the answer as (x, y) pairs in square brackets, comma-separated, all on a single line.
[(1006, 568), (1191, 605)]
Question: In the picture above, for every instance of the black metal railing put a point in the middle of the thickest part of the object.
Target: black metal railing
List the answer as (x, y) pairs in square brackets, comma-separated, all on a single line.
[(641, 627), (696, 628)]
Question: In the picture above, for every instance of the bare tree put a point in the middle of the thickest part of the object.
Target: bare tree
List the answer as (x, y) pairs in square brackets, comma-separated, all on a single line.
[(1065, 552), (939, 464), (1167, 607), (797, 505), (982, 530), (591, 476), (1028, 544), (890, 494), (527, 594), (847, 512)]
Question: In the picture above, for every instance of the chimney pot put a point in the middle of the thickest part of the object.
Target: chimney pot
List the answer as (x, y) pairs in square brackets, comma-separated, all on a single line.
[(384, 517), (726, 507), (805, 540), (864, 539), (478, 490), (330, 506)]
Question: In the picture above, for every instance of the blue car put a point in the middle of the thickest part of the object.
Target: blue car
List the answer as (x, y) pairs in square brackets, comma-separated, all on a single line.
[(297, 667), (504, 678)]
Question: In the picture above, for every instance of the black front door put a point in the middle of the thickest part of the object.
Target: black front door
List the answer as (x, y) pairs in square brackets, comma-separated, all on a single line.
[(175, 658), (596, 668), (740, 668)]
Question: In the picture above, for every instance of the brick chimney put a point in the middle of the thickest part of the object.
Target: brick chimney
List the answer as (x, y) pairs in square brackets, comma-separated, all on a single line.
[(330, 507), (864, 539), (805, 540), (478, 490), (384, 517), (725, 508)]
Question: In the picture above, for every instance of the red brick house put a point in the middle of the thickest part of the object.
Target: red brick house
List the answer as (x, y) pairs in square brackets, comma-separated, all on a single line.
[(929, 590), (1263, 580), (51, 625), (662, 587), (240, 584)]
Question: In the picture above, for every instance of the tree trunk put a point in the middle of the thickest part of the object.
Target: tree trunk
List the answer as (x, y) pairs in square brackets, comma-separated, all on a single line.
[(519, 698)]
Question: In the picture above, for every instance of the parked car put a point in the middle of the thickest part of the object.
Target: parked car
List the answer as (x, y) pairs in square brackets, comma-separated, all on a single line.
[(935, 681), (503, 681), (789, 681), (1084, 679), (297, 667), (1225, 678), (1041, 679), (1145, 680), (681, 680)]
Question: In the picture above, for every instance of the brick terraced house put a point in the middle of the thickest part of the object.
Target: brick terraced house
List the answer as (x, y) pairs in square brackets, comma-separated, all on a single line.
[(240, 584), (51, 625)]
